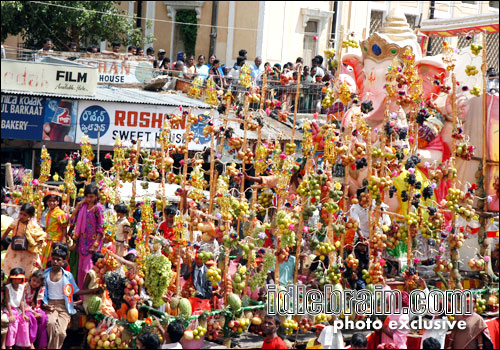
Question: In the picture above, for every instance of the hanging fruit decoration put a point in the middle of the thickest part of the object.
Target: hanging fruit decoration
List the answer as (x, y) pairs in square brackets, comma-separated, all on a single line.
[(46, 163), (211, 92), (69, 179)]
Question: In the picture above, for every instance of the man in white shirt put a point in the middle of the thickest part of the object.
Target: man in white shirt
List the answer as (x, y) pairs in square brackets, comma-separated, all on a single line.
[(256, 68), (320, 73), (360, 214), (47, 45)]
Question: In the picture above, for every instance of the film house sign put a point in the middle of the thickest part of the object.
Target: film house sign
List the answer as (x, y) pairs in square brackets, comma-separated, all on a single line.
[(49, 78)]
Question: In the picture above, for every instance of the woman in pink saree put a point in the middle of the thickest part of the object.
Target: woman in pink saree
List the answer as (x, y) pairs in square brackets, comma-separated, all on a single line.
[(89, 230)]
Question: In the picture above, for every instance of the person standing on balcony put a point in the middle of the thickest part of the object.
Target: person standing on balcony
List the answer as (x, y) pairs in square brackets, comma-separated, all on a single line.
[(47, 46)]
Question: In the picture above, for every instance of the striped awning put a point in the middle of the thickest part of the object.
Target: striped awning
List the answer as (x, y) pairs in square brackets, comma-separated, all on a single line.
[(460, 26)]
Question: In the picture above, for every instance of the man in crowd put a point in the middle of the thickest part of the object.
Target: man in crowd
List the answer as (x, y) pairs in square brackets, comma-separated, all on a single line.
[(198, 271), (47, 45), (159, 61), (115, 46), (242, 53), (320, 73), (150, 53), (270, 330), (73, 47), (256, 68), (132, 50)]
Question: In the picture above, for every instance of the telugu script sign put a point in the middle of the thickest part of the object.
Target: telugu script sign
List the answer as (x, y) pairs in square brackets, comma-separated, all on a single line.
[(108, 121)]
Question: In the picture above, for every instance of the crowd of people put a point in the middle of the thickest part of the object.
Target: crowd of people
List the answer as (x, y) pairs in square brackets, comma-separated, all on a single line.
[(51, 260), (191, 66), (50, 276)]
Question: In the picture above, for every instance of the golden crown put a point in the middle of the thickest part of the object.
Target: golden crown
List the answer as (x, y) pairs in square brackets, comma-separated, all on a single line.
[(378, 49)]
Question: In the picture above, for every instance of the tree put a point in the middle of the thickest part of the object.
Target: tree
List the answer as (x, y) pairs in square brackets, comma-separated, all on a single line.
[(83, 22)]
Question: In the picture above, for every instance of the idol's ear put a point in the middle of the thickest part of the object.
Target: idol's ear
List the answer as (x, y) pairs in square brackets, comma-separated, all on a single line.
[(431, 70), (356, 62)]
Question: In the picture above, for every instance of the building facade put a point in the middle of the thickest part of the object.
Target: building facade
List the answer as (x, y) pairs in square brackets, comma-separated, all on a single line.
[(281, 31)]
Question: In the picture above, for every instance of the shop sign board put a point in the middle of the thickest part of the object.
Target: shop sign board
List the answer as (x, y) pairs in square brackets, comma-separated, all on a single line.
[(120, 71), (38, 118), (108, 121), (49, 78)]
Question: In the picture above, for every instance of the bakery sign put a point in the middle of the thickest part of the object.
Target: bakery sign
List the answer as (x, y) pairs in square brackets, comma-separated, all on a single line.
[(49, 78)]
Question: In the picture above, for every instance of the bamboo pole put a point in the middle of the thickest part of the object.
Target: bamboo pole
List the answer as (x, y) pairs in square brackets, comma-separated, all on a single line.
[(257, 171), (178, 270), (296, 107), (117, 187), (212, 169), (485, 122), (347, 137), (301, 228), (221, 145), (454, 281), (163, 168), (247, 277), (263, 91), (370, 221), (185, 165), (242, 185), (227, 278), (134, 183), (339, 55), (9, 176)]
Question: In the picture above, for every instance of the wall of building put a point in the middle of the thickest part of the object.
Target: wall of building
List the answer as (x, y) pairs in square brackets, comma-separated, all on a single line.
[(283, 37), (246, 16)]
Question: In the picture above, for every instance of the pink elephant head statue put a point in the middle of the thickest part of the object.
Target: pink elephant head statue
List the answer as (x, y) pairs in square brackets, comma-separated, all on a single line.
[(378, 53)]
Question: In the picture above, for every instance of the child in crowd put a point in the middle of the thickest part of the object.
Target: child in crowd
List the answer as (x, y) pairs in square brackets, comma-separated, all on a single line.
[(174, 333), (314, 343), (27, 242), (18, 333), (64, 247), (123, 229), (33, 295), (91, 283), (73, 255), (167, 226), (5, 314), (89, 216), (60, 289), (359, 341), (56, 224), (148, 341)]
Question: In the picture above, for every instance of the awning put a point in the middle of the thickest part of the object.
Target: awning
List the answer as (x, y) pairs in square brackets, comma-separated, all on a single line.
[(460, 26), (271, 130)]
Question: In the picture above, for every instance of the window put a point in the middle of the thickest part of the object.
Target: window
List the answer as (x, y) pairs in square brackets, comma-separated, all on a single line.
[(469, 2), (412, 21), (310, 44), (493, 4), (376, 19), (311, 27)]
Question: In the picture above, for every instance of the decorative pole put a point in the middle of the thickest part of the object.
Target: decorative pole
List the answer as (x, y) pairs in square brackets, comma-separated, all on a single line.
[(212, 168), (242, 185), (455, 253)]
